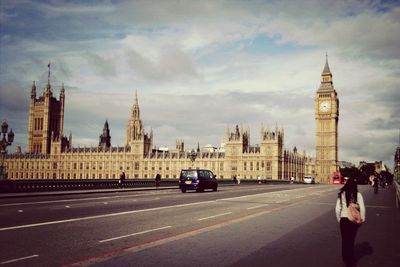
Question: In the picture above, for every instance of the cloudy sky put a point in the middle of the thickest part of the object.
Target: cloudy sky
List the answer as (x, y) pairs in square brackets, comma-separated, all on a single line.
[(202, 66)]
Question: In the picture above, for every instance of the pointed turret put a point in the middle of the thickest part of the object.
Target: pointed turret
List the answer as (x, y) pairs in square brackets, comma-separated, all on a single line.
[(33, 91), (62, 91), (62, 105), (135, 108), (47, 89), (326, 77), (135, 130), (70, 139), (105, 137), (326, 67)]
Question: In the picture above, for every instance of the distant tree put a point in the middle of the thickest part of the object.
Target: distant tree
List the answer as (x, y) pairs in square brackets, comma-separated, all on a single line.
[(354, 173), (387, 176), (368, 169)]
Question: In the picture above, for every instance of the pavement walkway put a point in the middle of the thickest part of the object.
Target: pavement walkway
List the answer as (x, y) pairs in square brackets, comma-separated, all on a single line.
[(319, 244)]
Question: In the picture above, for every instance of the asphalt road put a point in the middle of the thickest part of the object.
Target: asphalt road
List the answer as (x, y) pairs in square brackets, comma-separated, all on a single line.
[(260, 225)]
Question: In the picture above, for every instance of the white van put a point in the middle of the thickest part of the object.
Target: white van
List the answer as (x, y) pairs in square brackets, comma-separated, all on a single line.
[(309, 180)]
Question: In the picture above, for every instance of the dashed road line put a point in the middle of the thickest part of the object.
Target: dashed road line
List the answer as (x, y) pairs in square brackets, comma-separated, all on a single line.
[(68, 200), (256, 207), (19, 259), (214, 216), (139, 233), (104, 215)]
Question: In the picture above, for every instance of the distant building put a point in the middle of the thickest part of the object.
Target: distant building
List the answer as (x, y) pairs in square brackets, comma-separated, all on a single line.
[(209, 148), (52, 156), (346, 164)]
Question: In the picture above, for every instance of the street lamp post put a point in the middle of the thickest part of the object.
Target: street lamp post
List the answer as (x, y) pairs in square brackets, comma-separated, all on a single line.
[(192, 157), (7, 140)]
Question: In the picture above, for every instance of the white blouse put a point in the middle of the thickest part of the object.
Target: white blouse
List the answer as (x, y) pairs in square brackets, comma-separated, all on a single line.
[(342, 210)]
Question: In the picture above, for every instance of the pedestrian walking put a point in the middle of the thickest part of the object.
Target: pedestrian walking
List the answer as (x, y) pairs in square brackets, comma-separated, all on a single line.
[(349, 194), (376, 185), (158, 180), (122, 179)]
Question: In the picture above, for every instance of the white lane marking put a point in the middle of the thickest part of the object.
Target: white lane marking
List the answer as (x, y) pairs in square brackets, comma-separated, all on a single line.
[(272, 193), (134, 211), (105, 203), (256, 207), (67, 207), (20, 211), (19, 259), (261, 194), (139, 233), (67, 200), (104, 215), (214, 216)]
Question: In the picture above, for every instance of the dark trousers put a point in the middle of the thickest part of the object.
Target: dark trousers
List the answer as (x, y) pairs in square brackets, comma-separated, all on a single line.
[(348, 231)]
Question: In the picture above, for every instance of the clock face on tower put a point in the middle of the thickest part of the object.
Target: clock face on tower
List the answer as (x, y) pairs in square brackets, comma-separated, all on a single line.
[(324, 106)]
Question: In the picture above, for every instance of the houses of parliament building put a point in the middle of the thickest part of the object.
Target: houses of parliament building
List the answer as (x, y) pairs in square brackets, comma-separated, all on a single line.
[(51, 155)]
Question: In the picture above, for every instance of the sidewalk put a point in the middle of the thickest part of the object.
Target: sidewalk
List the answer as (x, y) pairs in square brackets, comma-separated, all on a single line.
[(319, 244)]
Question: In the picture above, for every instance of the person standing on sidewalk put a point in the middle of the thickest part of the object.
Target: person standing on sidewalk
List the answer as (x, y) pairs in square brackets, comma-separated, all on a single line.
[(348, 230)]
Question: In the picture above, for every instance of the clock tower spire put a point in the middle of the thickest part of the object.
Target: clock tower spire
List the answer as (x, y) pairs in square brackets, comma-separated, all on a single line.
[(327, 118)]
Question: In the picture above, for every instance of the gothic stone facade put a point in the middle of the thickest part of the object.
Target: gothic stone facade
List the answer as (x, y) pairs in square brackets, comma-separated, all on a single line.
[(327, 119), (51, 155)]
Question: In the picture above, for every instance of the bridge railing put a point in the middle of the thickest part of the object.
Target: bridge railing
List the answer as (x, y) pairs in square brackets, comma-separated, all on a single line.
[(15, 186)]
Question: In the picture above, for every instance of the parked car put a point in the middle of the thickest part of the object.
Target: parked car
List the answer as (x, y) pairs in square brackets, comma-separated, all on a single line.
[(309, 180), (197, 179)]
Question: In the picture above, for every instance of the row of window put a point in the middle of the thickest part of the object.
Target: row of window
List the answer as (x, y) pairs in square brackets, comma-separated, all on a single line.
[(99, 166), (247, 166), (21, 175), (37, 147), (38, 124)]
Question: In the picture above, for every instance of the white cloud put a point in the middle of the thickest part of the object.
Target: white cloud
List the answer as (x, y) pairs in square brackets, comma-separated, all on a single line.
[(220, 63), (104, 66)]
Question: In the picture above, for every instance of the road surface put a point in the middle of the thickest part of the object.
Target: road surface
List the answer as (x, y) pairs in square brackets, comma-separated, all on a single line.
[(258, 225)]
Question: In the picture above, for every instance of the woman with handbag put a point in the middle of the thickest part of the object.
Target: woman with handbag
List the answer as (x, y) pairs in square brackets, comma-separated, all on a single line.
[(349, 204)]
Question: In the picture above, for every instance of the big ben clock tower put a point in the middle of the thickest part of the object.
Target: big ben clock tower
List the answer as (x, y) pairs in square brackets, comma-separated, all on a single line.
[(327, 118)]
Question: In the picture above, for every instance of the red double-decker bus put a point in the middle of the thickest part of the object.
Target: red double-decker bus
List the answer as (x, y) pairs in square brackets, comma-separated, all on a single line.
[(337, 178)]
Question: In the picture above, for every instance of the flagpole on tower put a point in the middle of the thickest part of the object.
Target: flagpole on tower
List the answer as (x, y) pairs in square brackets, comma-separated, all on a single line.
[(48, 76)]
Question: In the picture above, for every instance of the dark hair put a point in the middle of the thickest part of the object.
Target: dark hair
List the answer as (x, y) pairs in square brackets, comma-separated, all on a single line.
[(350, 190)]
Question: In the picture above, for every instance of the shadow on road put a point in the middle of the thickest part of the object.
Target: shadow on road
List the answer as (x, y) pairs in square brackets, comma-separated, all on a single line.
[(362, 249)]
